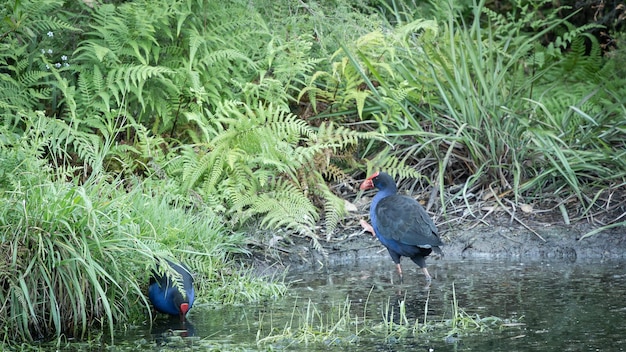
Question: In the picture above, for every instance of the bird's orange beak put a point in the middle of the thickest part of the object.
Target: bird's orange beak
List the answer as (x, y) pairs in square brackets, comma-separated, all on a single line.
[(368, 183)]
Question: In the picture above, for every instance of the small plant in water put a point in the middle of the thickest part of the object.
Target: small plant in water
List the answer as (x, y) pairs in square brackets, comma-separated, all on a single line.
[(463, 322), (460, 323), (312, 324)]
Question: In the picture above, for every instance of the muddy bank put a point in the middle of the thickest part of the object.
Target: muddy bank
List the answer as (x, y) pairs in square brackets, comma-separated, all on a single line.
[(497, 240)]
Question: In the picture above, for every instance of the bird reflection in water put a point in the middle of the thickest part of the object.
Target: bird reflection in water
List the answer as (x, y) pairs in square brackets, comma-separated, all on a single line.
[(171, 329)]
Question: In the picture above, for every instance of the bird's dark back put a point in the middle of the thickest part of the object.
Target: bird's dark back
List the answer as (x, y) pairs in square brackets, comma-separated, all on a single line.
[(403, 219)]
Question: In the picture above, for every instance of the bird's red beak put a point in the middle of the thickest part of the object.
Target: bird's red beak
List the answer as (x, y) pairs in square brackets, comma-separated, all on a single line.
[(368, 183), (184, 308)]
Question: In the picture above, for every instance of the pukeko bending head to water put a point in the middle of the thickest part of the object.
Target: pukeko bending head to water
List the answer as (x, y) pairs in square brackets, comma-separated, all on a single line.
[(172, 294), (400, 223)]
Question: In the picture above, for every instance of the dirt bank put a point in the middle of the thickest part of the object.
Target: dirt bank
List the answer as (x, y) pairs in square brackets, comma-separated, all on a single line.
[(498, 239), (494, 233)]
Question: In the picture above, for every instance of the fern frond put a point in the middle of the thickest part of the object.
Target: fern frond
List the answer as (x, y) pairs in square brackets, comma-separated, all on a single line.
[(285, 206), (334, 212), (52, 23), (225, 55), (127, 76), (195, 167)]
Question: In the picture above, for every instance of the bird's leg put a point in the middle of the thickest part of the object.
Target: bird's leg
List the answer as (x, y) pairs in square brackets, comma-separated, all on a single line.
[(428, 277), (400, 272), (367, 227)]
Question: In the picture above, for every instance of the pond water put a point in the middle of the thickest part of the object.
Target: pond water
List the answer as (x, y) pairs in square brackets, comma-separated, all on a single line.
[(538, 306)]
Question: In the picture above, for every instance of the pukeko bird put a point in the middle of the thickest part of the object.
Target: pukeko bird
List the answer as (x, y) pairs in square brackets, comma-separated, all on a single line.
[(400, 223), (172, 294)]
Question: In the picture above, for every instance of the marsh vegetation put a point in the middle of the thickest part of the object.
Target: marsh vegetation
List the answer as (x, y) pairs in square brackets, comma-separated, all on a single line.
[(200, 130)]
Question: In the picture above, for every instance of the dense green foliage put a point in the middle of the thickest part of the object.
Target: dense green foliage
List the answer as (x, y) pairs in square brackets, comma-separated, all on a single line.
[(141, 129), (484, 104), (79, 255)]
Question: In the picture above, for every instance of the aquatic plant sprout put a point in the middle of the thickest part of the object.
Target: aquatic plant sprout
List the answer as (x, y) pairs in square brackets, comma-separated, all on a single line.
[(340, 325)]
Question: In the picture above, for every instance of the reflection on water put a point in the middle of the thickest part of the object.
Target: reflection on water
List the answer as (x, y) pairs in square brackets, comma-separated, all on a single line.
[(564, 306), (168, 329)]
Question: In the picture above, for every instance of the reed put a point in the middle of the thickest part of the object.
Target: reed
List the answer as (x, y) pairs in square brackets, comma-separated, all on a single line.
[(78, 257), (70, 263), (336, 323)]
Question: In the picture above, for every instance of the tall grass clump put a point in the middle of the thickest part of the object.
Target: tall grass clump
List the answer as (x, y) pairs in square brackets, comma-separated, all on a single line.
[(78, 255), (70, 256), (521, 117), (486, 105)]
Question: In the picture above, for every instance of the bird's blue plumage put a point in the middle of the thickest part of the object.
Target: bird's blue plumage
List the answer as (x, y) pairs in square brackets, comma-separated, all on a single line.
[(400, 223), (165, 291)]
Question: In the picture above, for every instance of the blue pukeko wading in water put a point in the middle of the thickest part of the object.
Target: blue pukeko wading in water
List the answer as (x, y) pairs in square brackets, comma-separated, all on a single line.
[(172, 294), (400, 223)]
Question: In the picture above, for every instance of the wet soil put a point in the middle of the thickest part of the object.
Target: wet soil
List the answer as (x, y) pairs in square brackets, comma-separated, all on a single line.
[(489, 228), (497, 237)]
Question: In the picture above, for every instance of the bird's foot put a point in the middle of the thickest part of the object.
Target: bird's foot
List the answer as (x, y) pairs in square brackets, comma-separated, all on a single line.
[(400, 273), (367, 227), (429, 278)]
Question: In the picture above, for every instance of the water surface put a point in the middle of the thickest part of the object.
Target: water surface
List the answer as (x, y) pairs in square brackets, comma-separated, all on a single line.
[(577, 306)]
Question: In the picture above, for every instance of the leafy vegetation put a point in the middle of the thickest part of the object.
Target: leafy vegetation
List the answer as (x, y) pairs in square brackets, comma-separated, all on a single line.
[(142, 129), (341, 325), (78, 256), (485, 107)]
